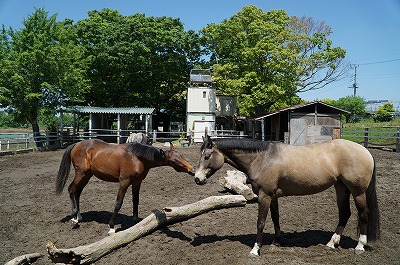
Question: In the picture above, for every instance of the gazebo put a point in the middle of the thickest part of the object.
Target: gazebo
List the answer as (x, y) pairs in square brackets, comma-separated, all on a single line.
[(96, 117)]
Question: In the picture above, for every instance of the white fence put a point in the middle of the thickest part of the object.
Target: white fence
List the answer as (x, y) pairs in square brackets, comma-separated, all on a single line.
[(17, 141)]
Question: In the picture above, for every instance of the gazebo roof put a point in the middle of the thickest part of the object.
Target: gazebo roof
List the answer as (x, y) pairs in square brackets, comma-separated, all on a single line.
[(101, 110)]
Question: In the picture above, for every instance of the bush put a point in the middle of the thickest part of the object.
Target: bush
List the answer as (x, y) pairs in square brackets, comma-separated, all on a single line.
[(384, 113)]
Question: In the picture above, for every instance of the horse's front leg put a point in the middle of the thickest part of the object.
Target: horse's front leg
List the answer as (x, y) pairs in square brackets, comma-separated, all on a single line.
[(264, 202), (135, 201), (135, 195), (123, 186)]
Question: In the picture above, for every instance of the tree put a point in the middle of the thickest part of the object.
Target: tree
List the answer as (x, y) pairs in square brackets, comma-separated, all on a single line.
[(137, 60), (353, 104), (266, 58), (39, 70), (385, 112)]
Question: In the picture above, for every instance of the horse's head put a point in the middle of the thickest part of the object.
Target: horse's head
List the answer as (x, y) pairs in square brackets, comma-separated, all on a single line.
[(210, 161), (177, 161)]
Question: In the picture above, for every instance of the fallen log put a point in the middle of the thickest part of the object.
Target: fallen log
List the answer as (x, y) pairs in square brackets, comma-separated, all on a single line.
[(25, 259), (90, 253), (235, 182)]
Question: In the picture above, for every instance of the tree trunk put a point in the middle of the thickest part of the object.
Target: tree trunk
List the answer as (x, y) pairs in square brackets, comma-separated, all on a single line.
[(90, 253), (25, 259), (235, 181), (36, 134)]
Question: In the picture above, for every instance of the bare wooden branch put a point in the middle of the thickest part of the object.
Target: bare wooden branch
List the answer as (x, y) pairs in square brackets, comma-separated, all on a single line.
[(235, 181), (90, 253), (25, 259)]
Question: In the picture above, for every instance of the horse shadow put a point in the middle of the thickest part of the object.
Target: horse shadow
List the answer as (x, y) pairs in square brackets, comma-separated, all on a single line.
[(103, 217), (302, 239)]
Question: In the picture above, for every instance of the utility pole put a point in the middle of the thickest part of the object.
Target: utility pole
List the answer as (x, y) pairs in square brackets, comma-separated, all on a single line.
[(355, 85)]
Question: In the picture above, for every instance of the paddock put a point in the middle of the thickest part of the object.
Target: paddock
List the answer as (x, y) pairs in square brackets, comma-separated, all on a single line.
[(31, 214)]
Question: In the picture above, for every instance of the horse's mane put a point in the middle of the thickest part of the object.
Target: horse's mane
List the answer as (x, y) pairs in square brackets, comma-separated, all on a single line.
[(145, 151), (243, 144)]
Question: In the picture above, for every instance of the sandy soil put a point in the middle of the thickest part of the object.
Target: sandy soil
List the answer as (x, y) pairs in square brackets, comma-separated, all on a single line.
[(31, 214)]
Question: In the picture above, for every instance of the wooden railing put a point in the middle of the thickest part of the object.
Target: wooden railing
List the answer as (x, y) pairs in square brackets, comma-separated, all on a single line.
[(378, 137)]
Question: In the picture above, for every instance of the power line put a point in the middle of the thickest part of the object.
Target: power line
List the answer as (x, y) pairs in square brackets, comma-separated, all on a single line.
[(387, 61)]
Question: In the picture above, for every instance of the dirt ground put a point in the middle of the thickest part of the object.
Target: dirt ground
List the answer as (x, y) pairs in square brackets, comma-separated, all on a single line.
[(31, 214)]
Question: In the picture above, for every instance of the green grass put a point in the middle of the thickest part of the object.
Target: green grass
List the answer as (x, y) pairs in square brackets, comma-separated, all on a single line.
[(379, 133)]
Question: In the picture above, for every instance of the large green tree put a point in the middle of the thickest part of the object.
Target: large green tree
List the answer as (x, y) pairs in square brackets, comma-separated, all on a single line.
[(38, 68), (266, 58), (137, 60)]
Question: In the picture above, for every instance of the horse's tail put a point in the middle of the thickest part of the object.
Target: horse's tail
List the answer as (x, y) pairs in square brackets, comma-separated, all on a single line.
[(373, 232), (64, 169)]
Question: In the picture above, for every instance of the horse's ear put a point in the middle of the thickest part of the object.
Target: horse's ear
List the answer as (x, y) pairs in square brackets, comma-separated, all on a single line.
[(163, 155), (207, 138), (171, 147)]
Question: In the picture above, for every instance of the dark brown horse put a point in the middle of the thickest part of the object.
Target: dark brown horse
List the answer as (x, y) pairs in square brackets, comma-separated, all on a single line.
[(127, 164), (275, 169)]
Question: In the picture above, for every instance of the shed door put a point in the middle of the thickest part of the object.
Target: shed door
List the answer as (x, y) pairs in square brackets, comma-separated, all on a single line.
[(298, 131)]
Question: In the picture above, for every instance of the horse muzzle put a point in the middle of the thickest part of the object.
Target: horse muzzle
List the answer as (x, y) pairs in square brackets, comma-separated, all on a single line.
[(199, 181)]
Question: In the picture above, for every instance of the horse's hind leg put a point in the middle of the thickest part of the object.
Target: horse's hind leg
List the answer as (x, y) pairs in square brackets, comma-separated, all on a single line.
[(275, 219), (343, 203), (75, 189), (362, 208)]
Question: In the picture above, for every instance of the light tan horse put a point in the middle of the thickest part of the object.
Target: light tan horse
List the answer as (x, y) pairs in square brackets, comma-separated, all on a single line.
[(275, 170)]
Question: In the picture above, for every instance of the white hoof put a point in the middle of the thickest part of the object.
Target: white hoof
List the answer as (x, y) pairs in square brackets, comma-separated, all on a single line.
[(359, 250), (331, 245), (362, 241), (255, 251), (111, 231), (334, 241)]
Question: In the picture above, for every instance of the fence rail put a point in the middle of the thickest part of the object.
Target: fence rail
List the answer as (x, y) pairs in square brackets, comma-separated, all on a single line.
[(382, 137), (388, 138)]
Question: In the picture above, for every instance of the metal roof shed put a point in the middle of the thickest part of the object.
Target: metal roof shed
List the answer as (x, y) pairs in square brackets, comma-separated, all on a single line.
[(308, 123), (120, 112)]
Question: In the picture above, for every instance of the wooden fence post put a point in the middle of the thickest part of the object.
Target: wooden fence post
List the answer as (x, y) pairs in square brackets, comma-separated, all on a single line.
[(366, 137), (398, 140)]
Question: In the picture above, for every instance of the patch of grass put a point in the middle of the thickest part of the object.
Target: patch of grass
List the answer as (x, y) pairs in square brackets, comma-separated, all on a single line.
[(379, 133)]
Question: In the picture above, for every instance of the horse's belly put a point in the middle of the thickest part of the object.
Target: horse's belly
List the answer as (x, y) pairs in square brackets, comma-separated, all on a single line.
[(304, 185), (105, 177)]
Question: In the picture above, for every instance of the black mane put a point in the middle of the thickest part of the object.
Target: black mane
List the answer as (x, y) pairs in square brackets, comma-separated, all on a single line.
[(243, 144), (145, 151)]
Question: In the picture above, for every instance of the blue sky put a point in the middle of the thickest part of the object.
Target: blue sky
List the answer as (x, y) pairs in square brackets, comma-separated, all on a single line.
[(369, 30)]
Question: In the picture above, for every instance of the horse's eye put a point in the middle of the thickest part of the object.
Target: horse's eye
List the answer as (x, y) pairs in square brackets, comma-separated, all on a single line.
[(207, 154)]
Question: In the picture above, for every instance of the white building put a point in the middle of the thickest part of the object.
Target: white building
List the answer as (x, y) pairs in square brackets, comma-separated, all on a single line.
[(200, 104)]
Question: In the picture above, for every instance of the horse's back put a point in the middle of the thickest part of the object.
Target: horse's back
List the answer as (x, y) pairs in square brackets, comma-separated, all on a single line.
[(312, 168), (94, 153)]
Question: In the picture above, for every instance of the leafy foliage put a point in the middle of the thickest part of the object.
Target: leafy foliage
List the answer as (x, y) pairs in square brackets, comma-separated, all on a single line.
[(266, 58), (137, 60), (354, 104), (39, 68), (385, 112), (111, 60)]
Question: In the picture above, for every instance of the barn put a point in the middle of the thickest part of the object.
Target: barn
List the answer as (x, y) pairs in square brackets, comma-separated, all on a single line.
[(308, 123)]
